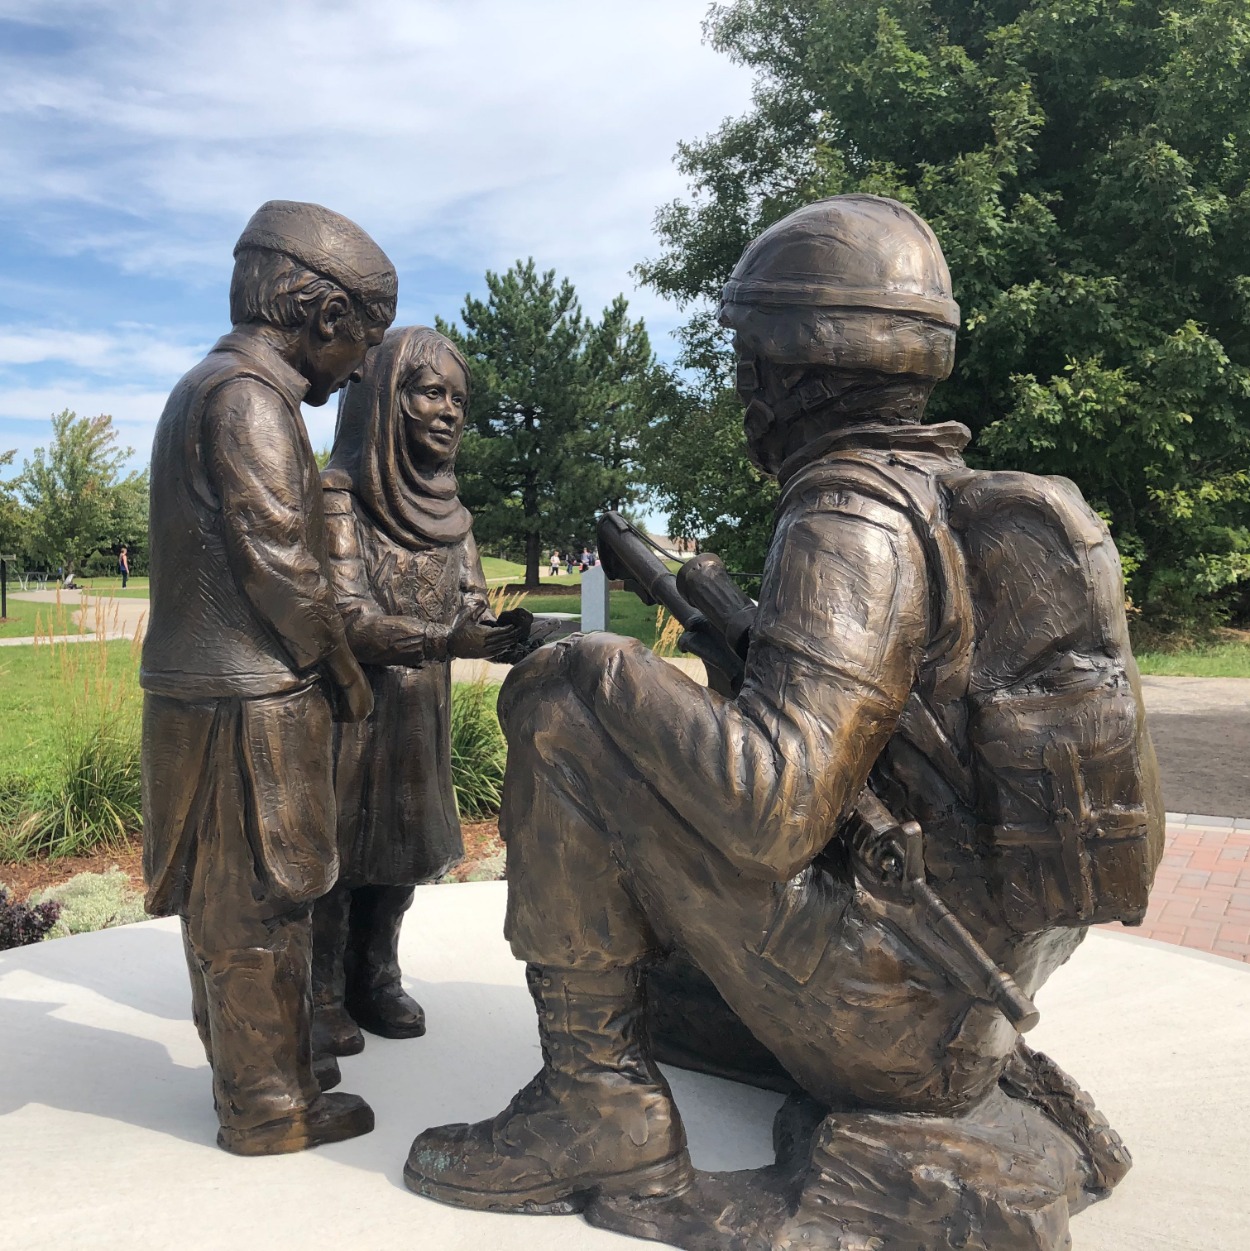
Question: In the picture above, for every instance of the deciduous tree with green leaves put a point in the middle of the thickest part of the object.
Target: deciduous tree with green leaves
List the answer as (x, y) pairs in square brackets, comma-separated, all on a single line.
[(1085, 164), (12, 514), (558, 408), (76, 494)]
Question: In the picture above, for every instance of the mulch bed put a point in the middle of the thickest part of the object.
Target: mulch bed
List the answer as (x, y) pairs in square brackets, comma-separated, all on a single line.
[(481, 841), (24, 877)]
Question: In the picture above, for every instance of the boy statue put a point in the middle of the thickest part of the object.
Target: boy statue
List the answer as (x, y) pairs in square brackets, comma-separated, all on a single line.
[(245, 667), (944, 646)]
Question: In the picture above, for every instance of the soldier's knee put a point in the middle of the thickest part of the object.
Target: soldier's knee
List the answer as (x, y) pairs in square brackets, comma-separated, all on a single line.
[(535, 680), (595, 658)]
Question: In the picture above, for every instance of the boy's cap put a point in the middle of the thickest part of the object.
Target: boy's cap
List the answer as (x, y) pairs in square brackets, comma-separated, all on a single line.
[(327, 242)]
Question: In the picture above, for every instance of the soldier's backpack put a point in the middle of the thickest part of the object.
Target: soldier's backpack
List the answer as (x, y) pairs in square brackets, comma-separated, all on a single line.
[(1063, 775), (1029, 702)]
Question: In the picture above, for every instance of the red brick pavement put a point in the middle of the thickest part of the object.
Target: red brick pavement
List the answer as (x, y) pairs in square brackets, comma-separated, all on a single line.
[(1201, 895)]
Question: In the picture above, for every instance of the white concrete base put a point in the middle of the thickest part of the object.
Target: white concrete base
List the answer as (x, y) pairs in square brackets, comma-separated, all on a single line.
[(107, 1127)]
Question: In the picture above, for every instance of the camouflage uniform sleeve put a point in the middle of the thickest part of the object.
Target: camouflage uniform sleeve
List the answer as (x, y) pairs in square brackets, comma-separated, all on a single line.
[(376, 637), (256, 462), (767, 777)]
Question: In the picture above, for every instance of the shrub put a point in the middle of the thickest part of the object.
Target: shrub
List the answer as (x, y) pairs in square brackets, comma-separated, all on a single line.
[(490, 869), (478, 750), (21, 924), (93, 901), (89, 796)]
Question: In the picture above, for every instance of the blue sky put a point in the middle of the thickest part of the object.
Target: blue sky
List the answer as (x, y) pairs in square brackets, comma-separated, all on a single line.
[(138, 137)]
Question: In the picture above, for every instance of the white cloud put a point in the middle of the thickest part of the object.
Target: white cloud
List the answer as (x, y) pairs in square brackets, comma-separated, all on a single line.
[(462, 134), (466, 130), (125, 352), (24, 413)]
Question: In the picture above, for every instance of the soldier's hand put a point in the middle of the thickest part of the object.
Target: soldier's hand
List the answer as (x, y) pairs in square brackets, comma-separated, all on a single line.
[(522, 618), (472, 640)]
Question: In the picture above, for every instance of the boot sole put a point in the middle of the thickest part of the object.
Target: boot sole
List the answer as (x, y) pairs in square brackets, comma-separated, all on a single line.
[(384, 1030), (657, 1181), (282, 1140)]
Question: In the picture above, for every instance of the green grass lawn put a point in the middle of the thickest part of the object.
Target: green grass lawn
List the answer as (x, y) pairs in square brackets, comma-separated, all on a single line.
[(24, 618), (495, 568), (630, 616), (499, 571), (38, 688), (1218, 660)]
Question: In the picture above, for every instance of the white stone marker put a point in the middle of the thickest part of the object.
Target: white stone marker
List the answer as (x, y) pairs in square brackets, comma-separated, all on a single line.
[(596, 601)]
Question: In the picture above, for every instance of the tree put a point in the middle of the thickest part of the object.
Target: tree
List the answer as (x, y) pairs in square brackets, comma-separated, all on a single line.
[(1085, 165), (130, 518), (558, 408), (12, 515), (75, 494)]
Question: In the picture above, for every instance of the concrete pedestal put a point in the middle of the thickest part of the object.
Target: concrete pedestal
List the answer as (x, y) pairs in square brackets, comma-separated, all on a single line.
[(107, 1127)]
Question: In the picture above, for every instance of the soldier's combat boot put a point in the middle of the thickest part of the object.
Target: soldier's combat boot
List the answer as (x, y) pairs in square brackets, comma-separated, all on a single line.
[(597, 1120)]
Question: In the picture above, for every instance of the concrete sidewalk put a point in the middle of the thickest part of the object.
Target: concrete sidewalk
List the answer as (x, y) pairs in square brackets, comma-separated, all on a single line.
[(107, 1125)]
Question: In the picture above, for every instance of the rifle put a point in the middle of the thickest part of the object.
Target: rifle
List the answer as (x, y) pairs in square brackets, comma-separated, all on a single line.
[(887, 858)]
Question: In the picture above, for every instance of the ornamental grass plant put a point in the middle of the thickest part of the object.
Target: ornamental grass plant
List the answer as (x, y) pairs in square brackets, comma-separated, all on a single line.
[(478, 750), (84, 795)]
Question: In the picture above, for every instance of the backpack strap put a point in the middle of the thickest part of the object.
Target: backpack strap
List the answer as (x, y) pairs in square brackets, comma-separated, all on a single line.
[(944, 673)]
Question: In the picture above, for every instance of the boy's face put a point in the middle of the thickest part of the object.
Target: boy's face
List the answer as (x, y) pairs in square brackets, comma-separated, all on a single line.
[(434, 400), (331, 353)]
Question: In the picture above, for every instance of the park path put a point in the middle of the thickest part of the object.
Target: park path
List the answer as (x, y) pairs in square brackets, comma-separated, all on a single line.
[(113, 617), (1201, 729)]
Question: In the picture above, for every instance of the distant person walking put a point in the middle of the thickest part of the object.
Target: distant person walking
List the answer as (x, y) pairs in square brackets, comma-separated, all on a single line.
[(569, 560), (123, 566), (587, 559), (555, 563)]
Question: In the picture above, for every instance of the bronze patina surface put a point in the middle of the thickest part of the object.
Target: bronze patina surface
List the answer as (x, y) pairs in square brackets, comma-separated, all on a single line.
[(921, 772), (246, 666), (408, 582)]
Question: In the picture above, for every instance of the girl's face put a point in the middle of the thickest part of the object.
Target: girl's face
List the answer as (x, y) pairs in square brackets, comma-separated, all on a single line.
[(434, 400)]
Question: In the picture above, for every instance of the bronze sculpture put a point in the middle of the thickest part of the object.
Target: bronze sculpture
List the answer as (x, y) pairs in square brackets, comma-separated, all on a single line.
[(409, 585), (934, 703), (245, 667)]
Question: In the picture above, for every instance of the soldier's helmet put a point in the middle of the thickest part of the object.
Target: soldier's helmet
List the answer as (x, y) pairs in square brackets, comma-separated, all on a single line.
[(853, 282)]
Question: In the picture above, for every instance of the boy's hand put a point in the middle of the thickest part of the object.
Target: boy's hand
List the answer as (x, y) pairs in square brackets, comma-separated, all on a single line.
[(351, 690)]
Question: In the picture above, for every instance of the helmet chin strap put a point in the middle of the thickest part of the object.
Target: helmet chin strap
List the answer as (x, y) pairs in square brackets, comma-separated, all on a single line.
[(836, 399), (760, 424)]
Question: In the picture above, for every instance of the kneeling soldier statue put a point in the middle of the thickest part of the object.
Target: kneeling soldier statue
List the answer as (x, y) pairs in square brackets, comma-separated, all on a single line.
[(929, 778), (245, 666)]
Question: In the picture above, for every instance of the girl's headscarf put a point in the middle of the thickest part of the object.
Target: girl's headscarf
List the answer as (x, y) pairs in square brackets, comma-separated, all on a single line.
[(414, 505)]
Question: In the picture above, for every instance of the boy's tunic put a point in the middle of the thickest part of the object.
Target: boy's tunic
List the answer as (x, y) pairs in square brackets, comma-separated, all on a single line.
[(239, 829)]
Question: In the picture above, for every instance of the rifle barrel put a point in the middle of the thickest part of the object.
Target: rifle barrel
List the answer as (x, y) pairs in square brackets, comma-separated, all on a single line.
[(630, 555)]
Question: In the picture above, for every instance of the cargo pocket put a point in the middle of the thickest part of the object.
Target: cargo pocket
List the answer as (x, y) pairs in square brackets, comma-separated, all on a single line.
[(806, 920)]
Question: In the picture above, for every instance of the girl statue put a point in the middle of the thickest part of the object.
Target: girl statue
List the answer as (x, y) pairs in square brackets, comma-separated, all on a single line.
[(409, 584)]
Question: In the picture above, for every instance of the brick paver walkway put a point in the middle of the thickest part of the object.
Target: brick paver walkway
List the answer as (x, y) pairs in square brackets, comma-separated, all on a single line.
[(1201, 895)]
